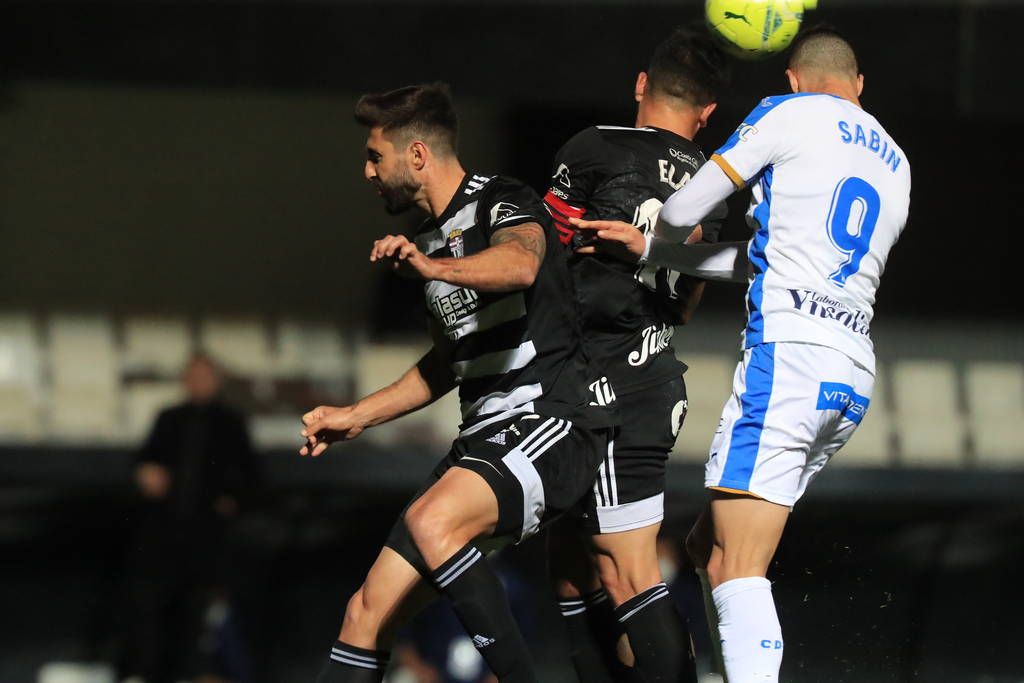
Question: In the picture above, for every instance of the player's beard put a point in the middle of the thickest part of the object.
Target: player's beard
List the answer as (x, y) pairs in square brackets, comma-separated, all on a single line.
[(399, 194)]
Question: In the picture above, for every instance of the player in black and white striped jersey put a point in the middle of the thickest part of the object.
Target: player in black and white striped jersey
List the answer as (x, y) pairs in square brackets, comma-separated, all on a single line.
[(506, 333)]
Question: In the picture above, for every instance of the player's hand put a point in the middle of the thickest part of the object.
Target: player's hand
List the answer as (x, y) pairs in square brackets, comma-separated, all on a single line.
[(325, 425), (405, 257), (615, 238)]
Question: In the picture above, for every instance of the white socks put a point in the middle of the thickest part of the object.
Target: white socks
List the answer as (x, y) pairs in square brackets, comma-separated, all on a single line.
[(750, 631)]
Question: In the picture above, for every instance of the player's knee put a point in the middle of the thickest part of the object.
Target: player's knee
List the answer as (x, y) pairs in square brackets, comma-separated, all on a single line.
[(726, 566), (566, 588), (614, 585), (432, 525), (624, 582), (359, 615)]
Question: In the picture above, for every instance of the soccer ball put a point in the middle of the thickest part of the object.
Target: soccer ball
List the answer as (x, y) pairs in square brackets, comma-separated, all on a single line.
[(751, 29)]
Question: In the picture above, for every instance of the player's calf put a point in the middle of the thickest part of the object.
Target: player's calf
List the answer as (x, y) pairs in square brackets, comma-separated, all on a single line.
[(747, 532), (628, 567), (460, 507), (392, 592), (587, 612)]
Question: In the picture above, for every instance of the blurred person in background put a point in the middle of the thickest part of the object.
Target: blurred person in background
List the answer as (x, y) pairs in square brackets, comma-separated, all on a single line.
[(194, 472)]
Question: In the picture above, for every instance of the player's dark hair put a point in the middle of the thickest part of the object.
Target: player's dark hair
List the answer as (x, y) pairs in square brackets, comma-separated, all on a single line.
[(689, 66), (413, 111), (824, 48)]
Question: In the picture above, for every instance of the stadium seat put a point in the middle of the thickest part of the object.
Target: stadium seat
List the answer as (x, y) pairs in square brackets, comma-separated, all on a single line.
[(158, 345), (708, 384), (83, 415), (313, 351), (143, 401), (931, 428), (276, 431), (240, 345), (85, 379), (69, 672), (995, 398), (872, 443), (20, 379), (82, 352)]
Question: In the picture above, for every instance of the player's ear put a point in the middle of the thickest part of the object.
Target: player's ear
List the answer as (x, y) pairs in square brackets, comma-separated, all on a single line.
[(794, 82), (641, 86), (860, 84), (418, 153), (705, 113)]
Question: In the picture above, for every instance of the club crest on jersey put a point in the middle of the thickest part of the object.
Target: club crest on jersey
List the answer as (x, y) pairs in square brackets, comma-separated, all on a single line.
[(456, 244), (501, 211), (562, 176)]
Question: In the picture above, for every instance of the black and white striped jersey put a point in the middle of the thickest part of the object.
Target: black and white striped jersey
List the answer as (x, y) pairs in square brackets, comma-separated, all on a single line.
[(629, 313), (512, 352)]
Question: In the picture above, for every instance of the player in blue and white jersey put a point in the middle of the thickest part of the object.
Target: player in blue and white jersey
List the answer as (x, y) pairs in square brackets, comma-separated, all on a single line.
[(831, 193)]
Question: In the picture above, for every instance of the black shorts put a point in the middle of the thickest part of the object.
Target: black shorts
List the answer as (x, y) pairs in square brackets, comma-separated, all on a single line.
[(630, 489), (538, 467)]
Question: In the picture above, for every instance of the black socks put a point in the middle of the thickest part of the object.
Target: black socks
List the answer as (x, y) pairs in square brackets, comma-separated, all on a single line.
[(478, 598), (658, 637), (594, 634), (350, 664)]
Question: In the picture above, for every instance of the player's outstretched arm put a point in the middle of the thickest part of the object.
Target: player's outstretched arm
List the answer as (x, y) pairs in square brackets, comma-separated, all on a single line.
[(689, 205), (725, 261), (511, 262), (421, 385)]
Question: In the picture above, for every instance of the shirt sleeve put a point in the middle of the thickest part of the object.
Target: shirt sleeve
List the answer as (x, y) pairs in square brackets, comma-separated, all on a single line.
[(579, 168), (509, 203), (757, 142), (695, 202)]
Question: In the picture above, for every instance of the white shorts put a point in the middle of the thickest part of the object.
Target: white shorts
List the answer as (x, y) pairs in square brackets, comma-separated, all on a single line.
[(793, 405)]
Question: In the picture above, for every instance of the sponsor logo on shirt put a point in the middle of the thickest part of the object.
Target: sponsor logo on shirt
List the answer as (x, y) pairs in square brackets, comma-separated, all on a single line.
[(684, 157), (655, 340), (603, 393), (451, 308), (558, 193), (842, 397), (825, 307)]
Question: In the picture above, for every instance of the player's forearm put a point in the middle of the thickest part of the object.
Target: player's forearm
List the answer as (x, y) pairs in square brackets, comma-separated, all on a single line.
[(420, 386), (501, 268), (724, 262), (691, 204)]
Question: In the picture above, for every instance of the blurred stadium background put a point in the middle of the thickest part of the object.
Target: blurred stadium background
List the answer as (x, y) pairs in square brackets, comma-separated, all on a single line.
[(185, 175)]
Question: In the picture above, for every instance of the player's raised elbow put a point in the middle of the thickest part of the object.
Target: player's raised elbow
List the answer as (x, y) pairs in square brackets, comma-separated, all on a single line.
[(522, 252), (523, 273)]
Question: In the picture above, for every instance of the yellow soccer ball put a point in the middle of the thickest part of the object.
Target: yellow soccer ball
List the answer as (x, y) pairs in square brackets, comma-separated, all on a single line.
[(752, 29)]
